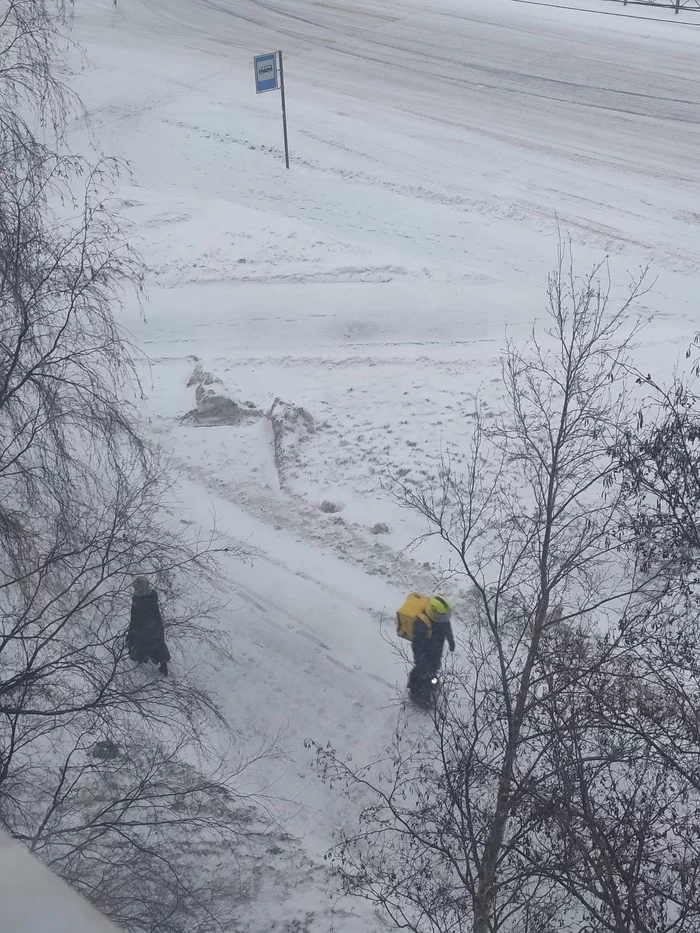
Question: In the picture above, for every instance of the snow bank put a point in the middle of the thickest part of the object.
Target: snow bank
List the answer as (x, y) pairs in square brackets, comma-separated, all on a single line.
[(34, 900)]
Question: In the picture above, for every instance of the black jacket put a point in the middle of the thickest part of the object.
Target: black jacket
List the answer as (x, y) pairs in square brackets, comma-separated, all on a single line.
[(428, 643), (146, 637)]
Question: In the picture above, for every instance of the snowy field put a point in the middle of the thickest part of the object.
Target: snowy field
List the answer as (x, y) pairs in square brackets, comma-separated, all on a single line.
[(34, 899), (436, 148)]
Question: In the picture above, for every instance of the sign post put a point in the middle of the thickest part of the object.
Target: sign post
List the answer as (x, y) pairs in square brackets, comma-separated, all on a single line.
[(269, 76)]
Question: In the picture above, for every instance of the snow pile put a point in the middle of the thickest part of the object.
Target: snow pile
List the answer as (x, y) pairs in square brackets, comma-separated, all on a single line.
[(34, 900), (201, 378), (292, 426), (214, 404), (330, 507)]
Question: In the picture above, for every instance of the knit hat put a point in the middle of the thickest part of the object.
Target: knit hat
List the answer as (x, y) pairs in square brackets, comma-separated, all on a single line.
[(141, 586)]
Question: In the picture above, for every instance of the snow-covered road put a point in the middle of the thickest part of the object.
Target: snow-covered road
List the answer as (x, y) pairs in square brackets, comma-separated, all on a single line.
[(504, 111), (437, 150)]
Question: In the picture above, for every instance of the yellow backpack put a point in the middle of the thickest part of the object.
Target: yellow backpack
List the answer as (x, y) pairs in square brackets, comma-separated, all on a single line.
[(414, 607)]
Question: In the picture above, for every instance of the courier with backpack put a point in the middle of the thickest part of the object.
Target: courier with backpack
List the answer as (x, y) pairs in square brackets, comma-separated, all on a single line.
[(425, 622)]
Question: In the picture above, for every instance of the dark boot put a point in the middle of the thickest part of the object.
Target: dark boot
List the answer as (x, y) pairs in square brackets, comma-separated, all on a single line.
[(419, 686)]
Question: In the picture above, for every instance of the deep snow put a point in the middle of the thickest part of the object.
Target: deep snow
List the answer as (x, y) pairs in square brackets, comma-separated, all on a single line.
[(437, 148), (34, 900)]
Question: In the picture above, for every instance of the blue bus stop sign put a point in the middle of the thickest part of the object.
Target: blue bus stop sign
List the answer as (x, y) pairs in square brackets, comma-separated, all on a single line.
[(266, 73), (269, 76)]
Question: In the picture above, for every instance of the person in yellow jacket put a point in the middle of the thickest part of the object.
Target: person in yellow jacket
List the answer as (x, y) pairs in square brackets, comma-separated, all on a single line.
[(431, 630)]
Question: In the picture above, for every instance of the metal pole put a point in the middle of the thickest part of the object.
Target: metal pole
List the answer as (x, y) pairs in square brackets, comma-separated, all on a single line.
[(284, 113), (678, 6)]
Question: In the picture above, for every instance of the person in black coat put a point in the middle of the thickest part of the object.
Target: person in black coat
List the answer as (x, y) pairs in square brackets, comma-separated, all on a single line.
[(145, 638), (430, 632)]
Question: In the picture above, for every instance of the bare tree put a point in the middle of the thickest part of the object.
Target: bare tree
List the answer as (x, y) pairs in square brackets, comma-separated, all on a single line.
[(104, 770), (616, 823), (658, 459), (641, 808), (33, 98), (532, 528)]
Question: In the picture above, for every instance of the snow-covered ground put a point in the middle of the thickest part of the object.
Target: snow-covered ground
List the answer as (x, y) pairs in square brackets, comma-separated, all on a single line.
[(437, 149), (34, 900)]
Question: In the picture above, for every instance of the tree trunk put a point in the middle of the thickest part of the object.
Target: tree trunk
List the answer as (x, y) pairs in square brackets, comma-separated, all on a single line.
[(484, 896)]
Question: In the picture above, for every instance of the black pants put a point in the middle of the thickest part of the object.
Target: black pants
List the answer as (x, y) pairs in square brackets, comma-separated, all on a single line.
[(420, 682), (426, 660)]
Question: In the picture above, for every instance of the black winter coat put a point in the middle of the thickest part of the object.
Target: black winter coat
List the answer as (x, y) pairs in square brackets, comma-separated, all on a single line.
[(429, 645), (145, 638)]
